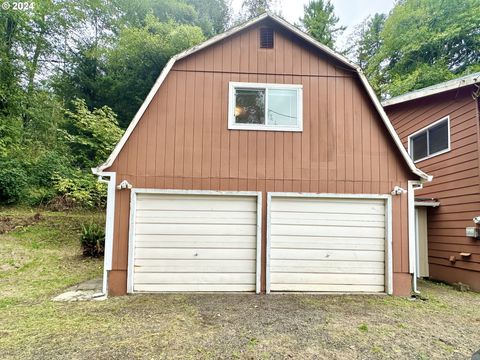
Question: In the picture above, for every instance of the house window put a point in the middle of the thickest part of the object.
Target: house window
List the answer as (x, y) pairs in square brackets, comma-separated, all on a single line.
[(276, 107), (430, 141)]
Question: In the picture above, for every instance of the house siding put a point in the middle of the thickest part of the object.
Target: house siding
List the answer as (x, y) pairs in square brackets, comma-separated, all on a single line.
[(456, 181), (182, 140)]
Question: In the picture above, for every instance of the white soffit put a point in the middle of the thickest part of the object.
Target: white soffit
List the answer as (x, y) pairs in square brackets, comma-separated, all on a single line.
[(233, 31)]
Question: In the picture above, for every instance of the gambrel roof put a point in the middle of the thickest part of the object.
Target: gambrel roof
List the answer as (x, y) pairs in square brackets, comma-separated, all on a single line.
[(289, 27)]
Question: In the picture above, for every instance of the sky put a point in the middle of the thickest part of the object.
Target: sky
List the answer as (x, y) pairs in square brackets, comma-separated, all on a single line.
[(350, 12)]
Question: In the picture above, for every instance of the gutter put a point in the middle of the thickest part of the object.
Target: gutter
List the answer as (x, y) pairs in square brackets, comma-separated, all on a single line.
[(109, 223)]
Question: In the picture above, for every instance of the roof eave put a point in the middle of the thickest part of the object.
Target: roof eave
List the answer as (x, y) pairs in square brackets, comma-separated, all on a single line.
[(433, 90)]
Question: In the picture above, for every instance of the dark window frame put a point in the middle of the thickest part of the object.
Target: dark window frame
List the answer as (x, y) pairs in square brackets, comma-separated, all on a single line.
[(426, 130)]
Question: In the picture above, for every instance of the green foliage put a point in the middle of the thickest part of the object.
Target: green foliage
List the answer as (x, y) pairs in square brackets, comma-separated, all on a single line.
[(92, 135), (424, 42), (213, 15), (13, 181), (92, 239), (78, 190), (320, 22), (136, 61), (254, 8)]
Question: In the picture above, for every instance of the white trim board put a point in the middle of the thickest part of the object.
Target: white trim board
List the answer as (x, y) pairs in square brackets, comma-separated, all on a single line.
[(131, 236), (426, 128), (235, 30), (388, 227), (434, 89)]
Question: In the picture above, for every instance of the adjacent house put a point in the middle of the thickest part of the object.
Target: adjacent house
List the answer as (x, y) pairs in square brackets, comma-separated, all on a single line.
[(439, 125), (260, 161)]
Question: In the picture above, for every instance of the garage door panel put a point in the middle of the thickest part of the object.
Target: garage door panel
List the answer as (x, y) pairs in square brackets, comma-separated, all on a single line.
[(328, 288), (195, 229), (194, 278), (193, 203), (319, 230), (152, 241), (214, 254), (201, 217), (322, 216), (326, 266), (327, 222), (195, 243), (200, 266), (193, 287), (320, 254), (327, 243), (328, 279), (334, 206)]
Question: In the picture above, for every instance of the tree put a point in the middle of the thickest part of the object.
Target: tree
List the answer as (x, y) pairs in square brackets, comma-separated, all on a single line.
[(92, 135), (254, 8), (365, 44), (135, 62), (425, 42), (320, 22), (213, 15)]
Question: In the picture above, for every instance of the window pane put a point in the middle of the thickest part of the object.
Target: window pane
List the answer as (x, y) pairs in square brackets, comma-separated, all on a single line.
[(250, 106), (419, 146), (282, 107), (438, 138)]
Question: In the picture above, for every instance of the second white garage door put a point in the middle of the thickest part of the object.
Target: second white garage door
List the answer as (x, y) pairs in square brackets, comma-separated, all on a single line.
[(327, 244), (194, 243)]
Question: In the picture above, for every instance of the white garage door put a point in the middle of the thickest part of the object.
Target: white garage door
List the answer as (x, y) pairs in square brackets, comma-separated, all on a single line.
[(194, 243), (327, 244)]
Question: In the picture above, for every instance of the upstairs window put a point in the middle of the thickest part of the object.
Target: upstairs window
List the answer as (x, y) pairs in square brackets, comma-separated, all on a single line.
[(276, 107), (430, 141)]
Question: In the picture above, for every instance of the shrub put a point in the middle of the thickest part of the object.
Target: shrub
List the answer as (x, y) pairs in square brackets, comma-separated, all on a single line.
[(13, 181), (92, 240), (79, 190)]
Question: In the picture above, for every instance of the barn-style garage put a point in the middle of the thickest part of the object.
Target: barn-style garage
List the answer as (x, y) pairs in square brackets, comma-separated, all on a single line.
[(328, 243), (236, 117), (194, 241)]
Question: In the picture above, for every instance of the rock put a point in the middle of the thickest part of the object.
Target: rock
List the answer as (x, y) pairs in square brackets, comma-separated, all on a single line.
[(79, 295), (461, 287), (476, 355)]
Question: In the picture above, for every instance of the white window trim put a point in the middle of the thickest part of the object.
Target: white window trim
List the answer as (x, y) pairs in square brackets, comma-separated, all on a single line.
[(424, 129), (263, 127)]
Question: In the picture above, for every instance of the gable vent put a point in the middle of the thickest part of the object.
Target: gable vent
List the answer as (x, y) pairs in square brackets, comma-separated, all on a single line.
[(266, 38)]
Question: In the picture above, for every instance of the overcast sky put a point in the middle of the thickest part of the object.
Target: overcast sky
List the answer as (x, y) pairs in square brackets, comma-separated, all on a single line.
[(350, 12)]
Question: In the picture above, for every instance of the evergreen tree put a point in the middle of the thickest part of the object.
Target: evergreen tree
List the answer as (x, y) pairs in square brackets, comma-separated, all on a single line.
[(320, 22)]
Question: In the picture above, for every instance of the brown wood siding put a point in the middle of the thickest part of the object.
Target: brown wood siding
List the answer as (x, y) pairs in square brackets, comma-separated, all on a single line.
[(456, 181), (182, 140)]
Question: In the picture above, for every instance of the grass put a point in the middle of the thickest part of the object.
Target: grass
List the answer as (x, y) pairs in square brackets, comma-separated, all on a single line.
[(39, 259)]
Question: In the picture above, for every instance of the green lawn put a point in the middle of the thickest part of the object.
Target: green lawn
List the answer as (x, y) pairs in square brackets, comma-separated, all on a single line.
[(40, 258)]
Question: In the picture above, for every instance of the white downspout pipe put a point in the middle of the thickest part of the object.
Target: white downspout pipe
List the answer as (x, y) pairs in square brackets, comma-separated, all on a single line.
[(109, 223), (412, 239)]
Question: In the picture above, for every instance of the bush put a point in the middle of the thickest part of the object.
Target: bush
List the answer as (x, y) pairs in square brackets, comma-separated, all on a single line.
[(78, 190), (13, 181), (92, 240)]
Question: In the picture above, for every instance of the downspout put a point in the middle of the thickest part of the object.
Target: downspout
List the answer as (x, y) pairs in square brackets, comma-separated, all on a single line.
[(412, 239), (109, 222)]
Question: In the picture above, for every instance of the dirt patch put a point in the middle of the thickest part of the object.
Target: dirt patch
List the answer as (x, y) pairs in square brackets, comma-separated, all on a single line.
[(11, 223)]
